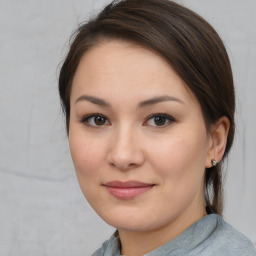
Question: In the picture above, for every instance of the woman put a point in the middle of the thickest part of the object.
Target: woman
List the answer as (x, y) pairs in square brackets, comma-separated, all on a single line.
[(147, 91)]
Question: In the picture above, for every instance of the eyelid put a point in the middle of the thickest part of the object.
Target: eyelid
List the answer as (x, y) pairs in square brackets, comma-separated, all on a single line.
[(84, 120), (168, 117)]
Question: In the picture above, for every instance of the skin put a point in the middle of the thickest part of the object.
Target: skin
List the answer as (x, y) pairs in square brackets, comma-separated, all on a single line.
[(129, 145)]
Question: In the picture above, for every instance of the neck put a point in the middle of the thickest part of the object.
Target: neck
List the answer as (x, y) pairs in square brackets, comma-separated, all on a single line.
[(137, 243)]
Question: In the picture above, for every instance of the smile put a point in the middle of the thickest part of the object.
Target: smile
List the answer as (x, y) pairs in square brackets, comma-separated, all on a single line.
[(127, 190)]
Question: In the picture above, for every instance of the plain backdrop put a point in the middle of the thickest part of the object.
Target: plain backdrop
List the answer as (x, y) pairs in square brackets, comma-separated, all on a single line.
[(42, 210)]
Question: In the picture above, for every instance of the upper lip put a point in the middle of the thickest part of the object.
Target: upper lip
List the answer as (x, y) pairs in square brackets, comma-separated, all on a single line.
[(127, 184)]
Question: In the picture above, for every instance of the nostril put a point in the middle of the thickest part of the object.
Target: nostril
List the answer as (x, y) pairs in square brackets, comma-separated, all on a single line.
[(123, 165)]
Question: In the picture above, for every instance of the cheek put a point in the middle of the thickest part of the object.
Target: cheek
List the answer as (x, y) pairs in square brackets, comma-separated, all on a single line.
[(87, 156), (180, 157)]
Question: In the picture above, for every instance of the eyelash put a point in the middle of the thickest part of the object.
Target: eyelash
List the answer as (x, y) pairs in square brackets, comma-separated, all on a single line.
[(85, 120), (168, 119)]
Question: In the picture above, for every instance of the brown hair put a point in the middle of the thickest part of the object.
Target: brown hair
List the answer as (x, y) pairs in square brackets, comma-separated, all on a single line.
[(190, 45)]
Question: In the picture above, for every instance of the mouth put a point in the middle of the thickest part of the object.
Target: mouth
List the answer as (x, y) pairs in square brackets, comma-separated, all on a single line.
[(127, 190)]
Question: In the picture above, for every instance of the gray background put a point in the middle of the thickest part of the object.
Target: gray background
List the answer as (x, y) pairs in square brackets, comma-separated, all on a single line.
[(42, 211)]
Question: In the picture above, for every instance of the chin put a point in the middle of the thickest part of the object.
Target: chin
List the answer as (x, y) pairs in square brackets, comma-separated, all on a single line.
[(133, 223), (132, 227)]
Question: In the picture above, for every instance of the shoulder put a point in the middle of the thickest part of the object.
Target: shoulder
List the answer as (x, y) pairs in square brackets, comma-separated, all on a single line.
[(110, 247), (227, 241), (102, 249)]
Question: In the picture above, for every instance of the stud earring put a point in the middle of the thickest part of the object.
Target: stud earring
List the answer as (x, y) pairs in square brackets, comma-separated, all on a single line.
[(214, 162)]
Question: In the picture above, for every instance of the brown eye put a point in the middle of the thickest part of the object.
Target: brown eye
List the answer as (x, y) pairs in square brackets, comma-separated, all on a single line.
[(99, 120), (160, 120), (95, 120)]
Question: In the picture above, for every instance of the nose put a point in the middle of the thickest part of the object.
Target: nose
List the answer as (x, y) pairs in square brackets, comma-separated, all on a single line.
[(125, 151)]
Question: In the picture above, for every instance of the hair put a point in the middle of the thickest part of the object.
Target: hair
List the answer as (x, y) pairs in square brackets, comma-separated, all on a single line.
[(187, 42)]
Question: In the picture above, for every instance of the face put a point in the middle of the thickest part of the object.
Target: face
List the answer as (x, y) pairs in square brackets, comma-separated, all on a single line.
[(137, 138)]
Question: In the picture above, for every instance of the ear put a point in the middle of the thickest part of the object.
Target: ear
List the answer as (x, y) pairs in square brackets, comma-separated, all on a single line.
[(217, 141)]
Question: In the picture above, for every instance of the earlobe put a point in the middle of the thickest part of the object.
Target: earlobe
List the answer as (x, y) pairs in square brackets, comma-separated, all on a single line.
[(217, 142)]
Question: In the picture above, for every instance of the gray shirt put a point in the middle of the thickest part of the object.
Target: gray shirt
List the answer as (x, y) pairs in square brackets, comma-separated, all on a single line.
[(210, 236)]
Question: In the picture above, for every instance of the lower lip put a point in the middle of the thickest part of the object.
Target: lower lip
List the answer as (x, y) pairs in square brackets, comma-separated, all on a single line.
[(128, 193)]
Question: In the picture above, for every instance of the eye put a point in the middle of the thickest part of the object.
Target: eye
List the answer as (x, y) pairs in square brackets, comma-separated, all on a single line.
[(160, 120), (95, 120)]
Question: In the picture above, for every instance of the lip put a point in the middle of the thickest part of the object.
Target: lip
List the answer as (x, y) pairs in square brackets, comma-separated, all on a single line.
[(127, 190)]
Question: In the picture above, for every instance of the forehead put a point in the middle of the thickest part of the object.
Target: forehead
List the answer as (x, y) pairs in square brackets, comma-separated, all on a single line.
[(121, 68)]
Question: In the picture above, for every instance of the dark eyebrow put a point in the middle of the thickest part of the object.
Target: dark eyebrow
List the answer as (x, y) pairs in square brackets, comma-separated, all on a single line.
[(159, 99), (93, 100), (145, 103)]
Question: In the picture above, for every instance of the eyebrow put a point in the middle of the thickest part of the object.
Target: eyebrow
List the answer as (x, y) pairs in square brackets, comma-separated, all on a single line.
[(93, 100), (159, 99), (144, 103)]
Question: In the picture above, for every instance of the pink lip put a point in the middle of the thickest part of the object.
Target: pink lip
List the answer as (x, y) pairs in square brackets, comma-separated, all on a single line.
[(127, 190)]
